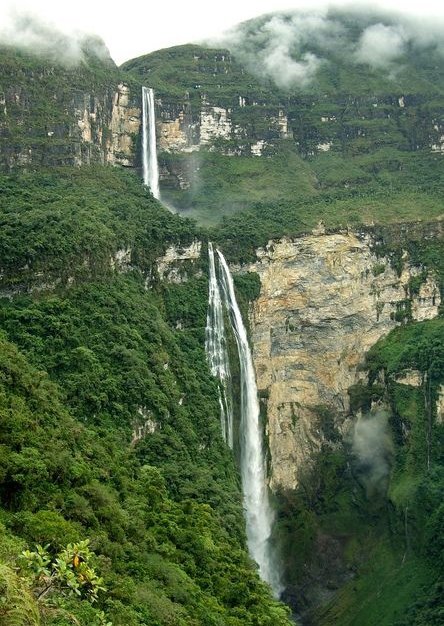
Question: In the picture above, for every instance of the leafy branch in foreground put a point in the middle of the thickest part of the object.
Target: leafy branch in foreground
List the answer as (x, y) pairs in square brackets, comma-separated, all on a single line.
[(69, 573)]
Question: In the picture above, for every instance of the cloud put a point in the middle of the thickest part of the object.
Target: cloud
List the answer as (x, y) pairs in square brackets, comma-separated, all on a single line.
[(27, 32), (426, 33), (372, 447), (286, 72), (380, 46), (272, 46), (289, 48), (283, 57)]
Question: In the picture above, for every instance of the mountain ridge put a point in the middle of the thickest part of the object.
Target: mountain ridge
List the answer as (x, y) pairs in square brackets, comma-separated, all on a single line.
[(109, 424)]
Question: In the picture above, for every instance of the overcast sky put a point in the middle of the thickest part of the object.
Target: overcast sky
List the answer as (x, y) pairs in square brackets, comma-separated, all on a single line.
[(130, 29)]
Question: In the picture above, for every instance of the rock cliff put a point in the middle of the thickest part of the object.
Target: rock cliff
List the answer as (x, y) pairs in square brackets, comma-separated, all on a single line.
[(348, 129), (325, 300), (206, 100), (53, 115)]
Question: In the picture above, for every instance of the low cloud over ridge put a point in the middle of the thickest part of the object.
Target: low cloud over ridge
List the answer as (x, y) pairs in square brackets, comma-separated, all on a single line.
[(30, 34), (289, 48)]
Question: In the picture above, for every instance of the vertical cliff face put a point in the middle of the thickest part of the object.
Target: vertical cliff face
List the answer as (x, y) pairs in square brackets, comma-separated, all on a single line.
[(206, 100), (88, 131), (350, 128), (325, 300), (94, 128), (358, 124), (217, 103), (220, 128), (124, 127), (316, 126), (178, 263), (52, 115)]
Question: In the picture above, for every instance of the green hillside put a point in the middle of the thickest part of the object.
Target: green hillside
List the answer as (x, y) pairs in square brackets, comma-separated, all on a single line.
[(84, 367), (109, 416), (355, 127)]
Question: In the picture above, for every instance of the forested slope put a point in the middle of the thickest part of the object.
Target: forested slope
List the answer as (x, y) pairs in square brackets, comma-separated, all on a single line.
[(109, 418), (110, 421)]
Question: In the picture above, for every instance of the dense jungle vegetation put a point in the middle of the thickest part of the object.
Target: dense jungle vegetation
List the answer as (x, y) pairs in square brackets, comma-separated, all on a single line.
[(373, 529), (119, 502), (86, 371)]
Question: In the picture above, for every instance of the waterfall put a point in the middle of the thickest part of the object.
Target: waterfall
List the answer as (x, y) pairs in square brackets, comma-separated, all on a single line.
[(216, 349), (149, 149), (258, 512)]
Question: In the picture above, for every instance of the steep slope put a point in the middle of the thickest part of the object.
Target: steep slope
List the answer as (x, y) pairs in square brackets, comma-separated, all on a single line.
[(103, 299), (397, 564), (57, 113), (353, 424), (110, 427), (325, 300)]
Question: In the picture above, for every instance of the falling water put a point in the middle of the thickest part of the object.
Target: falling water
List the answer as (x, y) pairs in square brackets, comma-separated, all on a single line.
[(149, 150), (216, 349), (258, 512)]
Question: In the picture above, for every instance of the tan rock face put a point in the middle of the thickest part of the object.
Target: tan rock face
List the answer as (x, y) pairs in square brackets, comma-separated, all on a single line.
[(412, 378), (178, 131), (173, 136), (85, 125), (215, 123), (172, 266), (124, 126), (178, 134), (324, 301), (91, 116), (113, 118)]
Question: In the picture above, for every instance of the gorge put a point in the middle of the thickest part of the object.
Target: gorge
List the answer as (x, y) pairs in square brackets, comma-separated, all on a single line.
[(247, 404)]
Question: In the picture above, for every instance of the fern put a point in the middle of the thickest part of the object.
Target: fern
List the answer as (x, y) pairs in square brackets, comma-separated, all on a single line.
[(17, 605)]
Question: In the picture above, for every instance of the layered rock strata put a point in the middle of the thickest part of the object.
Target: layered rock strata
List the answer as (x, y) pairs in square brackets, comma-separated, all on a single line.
[(325, 300)]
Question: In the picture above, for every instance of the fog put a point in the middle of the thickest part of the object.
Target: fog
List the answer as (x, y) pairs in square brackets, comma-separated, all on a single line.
[(31, 34), (373, 450), (289, 48)]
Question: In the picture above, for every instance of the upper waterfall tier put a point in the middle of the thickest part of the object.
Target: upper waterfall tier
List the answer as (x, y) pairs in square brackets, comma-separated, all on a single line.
[(149, 149)]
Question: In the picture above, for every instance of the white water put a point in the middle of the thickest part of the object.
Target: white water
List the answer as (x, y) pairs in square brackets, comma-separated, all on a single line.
[(149, 150), (258, 512), (216, 349)]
